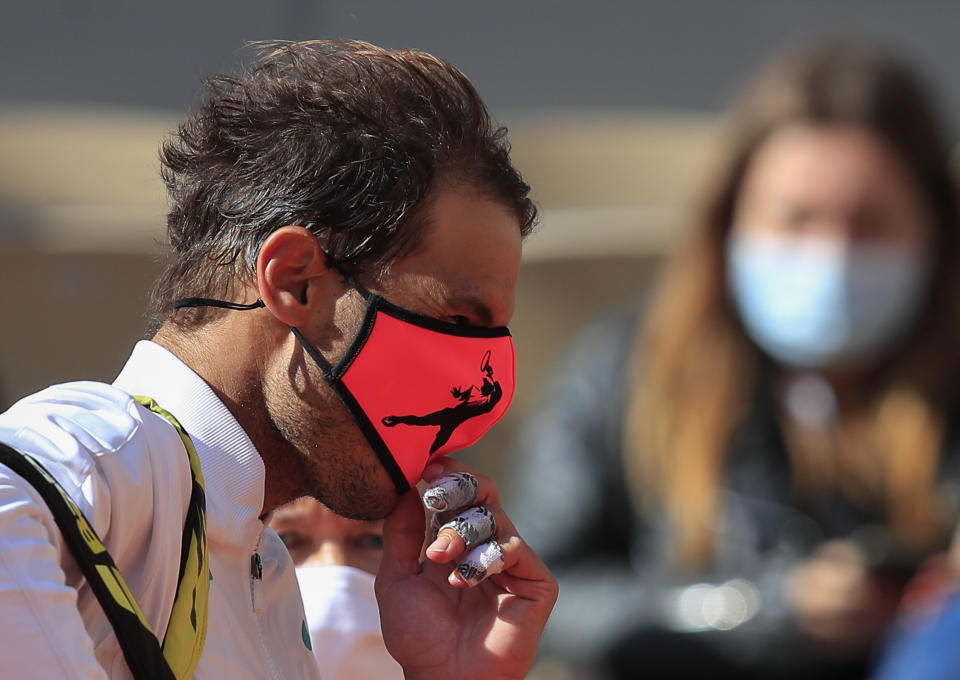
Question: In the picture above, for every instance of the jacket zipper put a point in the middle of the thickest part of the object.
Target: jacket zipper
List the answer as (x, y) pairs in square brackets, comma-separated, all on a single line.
[(256, 600)]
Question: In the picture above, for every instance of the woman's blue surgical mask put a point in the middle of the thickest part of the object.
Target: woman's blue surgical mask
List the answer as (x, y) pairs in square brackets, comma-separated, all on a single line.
[(813, 302)]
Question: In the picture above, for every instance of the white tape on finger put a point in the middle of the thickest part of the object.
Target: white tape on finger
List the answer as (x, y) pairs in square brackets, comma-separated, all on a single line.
[(474, 526), (483, 561), (457, 490)]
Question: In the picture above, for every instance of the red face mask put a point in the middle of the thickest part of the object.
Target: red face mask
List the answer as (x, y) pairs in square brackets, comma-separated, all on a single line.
[(419, 387)]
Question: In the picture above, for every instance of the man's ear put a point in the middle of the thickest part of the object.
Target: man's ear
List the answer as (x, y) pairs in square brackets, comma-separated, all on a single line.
[(293, 277)]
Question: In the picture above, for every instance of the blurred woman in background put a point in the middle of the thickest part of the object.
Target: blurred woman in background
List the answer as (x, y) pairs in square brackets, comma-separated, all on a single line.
[(750, 476), (337, 560)]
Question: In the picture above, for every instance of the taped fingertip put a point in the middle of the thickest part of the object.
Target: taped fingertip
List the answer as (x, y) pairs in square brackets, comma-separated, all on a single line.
[(483, 561), (474, 526), (452, 491), (433, 500)]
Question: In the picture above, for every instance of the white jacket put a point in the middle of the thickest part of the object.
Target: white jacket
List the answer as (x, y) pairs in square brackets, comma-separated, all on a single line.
[(126, 468)]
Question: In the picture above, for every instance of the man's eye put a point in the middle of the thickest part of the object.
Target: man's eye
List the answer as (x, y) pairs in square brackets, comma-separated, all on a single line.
[(460, 320)]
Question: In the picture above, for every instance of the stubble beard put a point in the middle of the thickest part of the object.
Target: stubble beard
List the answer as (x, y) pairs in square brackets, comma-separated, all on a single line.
[(334, 462)]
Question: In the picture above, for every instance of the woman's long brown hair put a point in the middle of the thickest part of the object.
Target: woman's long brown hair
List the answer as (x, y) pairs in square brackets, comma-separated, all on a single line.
[(697, 368)]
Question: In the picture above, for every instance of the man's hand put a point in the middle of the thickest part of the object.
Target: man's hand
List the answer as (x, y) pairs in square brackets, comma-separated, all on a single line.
[(438, 626)]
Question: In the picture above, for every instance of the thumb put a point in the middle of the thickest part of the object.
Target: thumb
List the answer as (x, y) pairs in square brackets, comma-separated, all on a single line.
[(404, 531)]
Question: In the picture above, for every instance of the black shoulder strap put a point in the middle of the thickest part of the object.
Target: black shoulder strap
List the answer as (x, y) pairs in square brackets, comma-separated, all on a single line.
[(137, 640)]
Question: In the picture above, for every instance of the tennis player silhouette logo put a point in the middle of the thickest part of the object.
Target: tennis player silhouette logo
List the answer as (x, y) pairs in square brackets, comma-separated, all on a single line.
[(468, 406)]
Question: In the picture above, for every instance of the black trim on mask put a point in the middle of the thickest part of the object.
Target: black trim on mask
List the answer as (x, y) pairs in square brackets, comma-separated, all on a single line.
[(335, 372), (359, 340), (428, 322), (373, 437), (315, 355), (210, 302)]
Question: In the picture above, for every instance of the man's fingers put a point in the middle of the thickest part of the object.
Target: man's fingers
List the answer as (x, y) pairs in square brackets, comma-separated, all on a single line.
[(483, 561), (467, 530), (464, 532), (506, 559), (514, 566), (520, 566), (452, 487)]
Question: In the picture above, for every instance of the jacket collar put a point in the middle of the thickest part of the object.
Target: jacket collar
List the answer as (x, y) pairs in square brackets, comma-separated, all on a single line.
[(233, 470)]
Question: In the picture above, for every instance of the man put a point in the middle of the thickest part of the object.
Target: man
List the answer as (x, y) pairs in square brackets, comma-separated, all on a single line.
[(345, 222)]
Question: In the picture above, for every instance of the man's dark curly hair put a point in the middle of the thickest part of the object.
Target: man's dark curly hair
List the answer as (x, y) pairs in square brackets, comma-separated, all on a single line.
[(343, 138)]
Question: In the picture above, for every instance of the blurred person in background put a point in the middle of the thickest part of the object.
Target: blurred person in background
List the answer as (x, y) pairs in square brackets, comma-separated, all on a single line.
[(336, 561), (754, 471)]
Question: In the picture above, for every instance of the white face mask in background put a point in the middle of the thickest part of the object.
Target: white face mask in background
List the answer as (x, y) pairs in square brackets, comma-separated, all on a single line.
[(814, 303), (344, 624)]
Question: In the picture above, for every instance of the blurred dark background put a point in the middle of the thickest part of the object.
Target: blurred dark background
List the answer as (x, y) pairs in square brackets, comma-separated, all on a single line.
[(686, 54)]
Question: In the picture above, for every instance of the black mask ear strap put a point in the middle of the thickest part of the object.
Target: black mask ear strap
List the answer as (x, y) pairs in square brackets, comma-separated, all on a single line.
[(210, 302), (312, 351)]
